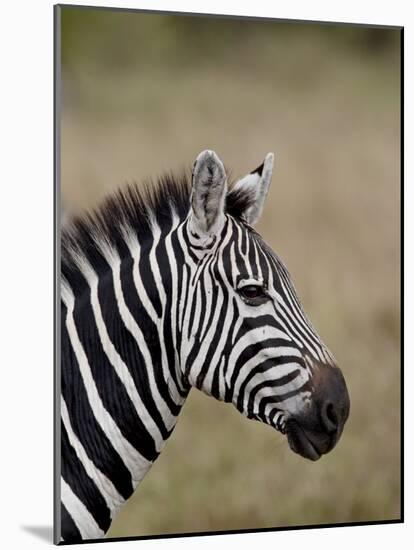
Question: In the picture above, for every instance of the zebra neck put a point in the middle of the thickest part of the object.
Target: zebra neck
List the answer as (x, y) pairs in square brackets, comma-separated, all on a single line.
[(138, 341), (122, 390)]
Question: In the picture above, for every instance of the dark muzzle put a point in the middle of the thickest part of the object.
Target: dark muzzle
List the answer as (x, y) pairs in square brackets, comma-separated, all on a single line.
[(317, 432)]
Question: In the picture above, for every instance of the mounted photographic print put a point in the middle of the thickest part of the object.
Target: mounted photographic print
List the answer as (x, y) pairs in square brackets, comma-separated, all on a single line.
[(228, 316)]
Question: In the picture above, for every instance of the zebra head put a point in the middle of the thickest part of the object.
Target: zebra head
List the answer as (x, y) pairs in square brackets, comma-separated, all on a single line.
[(245, 336)]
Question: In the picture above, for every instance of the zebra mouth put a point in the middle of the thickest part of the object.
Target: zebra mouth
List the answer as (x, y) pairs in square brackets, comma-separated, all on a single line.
[(300, 443)]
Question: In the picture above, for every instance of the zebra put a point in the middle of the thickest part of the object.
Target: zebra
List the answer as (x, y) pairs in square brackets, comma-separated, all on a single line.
[(166, 287)]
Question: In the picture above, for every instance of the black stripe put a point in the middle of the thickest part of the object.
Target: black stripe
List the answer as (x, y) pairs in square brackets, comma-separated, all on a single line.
[(279, 398), (203, 293), (189, 245), (291, 321), (226, 259), (184, 308), (289, 291), (272, 417), (96, 444), (68, 528), (73, 472), (167, 335), (218, 331), (180, 267), (263, 260), (191, 329), (251, 350), (301, 316), (275, 383), (258, 170), (252, 259), (227, 351), (152, 337), (114, 396), (262, 368), (128, 347), (242, 242), (261, 321), (213, 301), (147, 276)]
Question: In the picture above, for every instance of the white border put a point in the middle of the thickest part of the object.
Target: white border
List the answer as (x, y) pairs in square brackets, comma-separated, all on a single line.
[(26, 268)]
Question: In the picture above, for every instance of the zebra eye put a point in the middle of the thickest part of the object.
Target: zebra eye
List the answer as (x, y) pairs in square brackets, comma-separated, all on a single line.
[(253, 294)]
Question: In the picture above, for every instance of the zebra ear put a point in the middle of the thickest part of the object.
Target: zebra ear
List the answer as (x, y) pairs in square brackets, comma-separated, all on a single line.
[(257, 185), (209, 182)]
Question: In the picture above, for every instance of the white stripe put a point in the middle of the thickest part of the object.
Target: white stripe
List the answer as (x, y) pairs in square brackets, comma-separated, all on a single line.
[(301, 340), (257, 335), (294, 307), (269, 391), (291, 405), (302, 320), (221, 378), (208, 291), (234, 266), (133, 460), (110, 494), (156, 232), (84, 521), (270, 374), (197, 297), (121, 369), (174, 311), (224, 336), (198, 363), (246, 255), (280, 314), (237, 327), (287, 325), (112, 257), (182, 297), (225, 332), (134, 247), (131, 241), (131, 325), (258, 266)]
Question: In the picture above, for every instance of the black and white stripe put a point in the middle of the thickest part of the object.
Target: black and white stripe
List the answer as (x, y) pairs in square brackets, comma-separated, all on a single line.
[(153, 304)]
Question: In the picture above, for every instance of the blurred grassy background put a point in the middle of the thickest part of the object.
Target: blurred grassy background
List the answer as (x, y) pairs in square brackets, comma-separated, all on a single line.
[(146, 93)]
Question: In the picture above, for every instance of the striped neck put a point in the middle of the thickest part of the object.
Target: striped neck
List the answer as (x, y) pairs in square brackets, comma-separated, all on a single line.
[(122, 386)]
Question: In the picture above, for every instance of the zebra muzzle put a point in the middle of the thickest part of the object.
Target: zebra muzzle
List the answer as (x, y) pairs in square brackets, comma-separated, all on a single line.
[(316, 431), (300, 443)]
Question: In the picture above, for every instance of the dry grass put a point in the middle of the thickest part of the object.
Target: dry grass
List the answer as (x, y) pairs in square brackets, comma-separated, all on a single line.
[(332, 118)]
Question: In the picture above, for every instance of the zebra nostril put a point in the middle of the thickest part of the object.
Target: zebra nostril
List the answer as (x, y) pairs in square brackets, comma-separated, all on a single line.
[(330, 418)]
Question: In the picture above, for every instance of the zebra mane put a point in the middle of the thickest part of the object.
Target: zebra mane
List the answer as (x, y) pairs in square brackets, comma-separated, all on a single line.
[(132, 207)]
